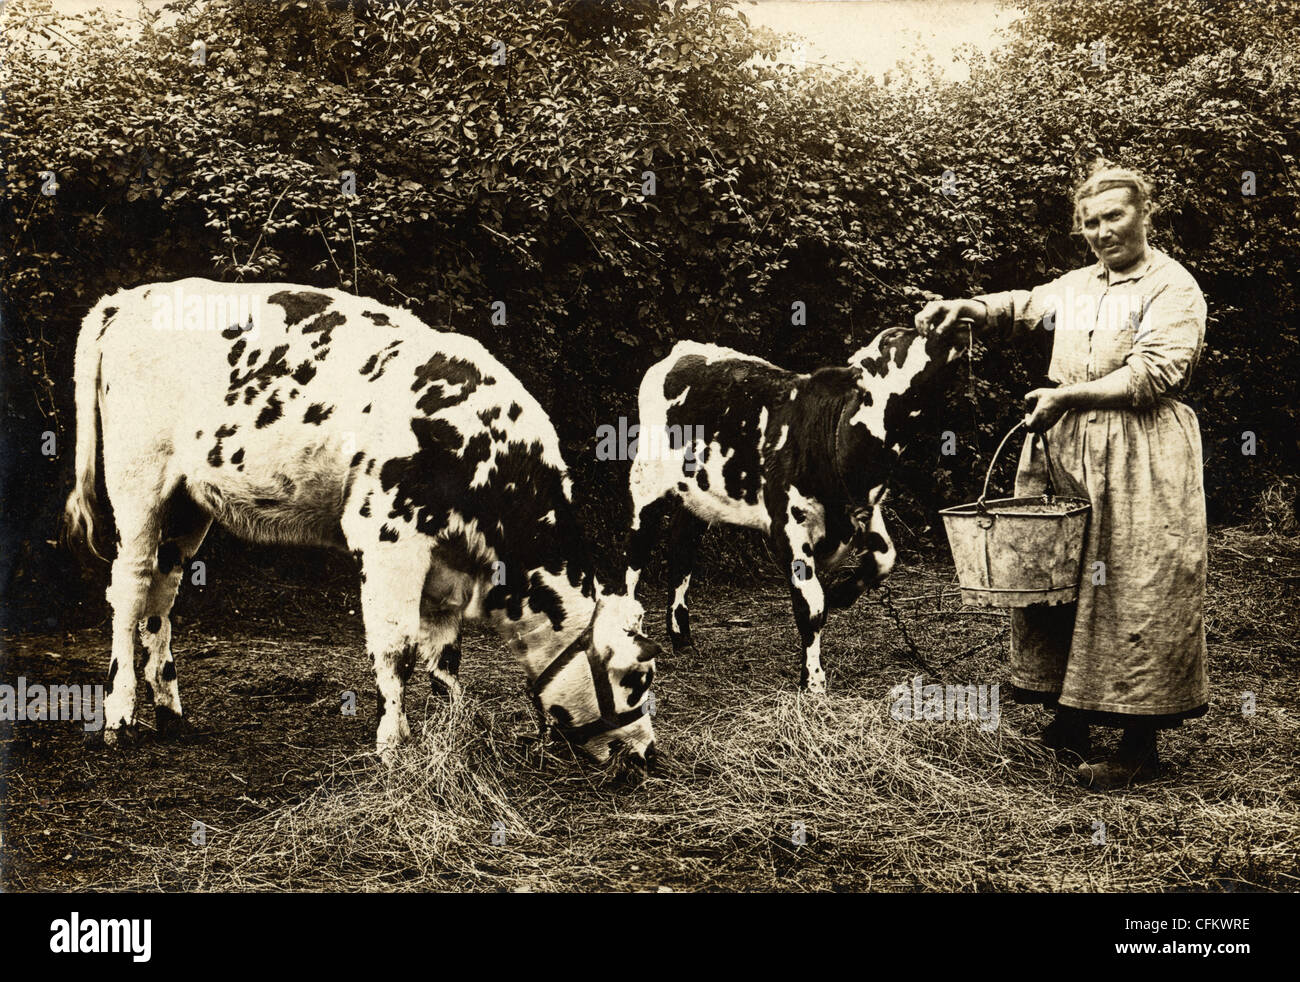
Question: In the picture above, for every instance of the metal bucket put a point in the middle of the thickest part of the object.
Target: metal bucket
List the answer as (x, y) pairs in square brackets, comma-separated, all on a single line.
[(1014, 552)]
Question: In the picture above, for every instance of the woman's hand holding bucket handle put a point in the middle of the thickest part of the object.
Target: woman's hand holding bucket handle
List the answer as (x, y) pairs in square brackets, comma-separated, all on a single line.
[(1043, 407)]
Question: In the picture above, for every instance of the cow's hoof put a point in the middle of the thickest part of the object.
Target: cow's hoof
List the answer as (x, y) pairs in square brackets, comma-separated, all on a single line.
[(814, 687), (388, 754), (686, 651), (390, 738), (170, 723), (122, 737)]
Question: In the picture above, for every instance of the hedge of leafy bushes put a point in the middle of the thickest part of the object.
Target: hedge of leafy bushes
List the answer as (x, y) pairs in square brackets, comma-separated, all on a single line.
[(521, 179)]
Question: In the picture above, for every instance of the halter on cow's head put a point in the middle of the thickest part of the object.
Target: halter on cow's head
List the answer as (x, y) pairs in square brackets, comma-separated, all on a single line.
[(595, 692)]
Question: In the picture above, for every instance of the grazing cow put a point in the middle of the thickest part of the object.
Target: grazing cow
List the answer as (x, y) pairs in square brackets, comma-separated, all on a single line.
[(298, 415), (727, 437)]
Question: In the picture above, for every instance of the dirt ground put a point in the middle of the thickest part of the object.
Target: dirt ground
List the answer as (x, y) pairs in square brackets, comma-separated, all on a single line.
[(760, 788)]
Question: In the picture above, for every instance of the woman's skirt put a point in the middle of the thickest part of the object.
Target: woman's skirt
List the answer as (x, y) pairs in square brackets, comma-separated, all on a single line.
[(1134, 642)]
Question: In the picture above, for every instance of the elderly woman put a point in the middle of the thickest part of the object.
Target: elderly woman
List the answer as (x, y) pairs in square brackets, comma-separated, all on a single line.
[(1128, 332)]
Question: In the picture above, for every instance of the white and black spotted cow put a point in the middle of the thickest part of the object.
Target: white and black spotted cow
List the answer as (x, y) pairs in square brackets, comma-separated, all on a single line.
[(319, 418), (803, 458)]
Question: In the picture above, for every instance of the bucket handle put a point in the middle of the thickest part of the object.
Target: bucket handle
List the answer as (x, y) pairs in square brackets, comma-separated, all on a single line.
[(1050, 490)]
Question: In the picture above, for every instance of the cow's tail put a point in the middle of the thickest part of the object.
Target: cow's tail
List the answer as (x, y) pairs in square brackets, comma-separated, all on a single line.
[(84, 519)]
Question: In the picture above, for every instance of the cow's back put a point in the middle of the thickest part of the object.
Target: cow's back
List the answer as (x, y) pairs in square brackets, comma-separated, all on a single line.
[(270, 427), (728, 405)]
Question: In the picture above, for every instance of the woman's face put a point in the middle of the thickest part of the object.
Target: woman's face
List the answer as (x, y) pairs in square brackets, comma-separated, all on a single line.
[(1115, 227)]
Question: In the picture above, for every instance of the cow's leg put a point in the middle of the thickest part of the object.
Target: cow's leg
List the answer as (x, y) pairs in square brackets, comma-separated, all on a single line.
[(138, 524), (794, 549), (684, 537), (392, 582), (183, 534), (648, 508), (440, 651)]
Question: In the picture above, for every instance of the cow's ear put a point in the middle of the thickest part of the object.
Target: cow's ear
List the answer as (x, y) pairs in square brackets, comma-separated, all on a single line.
[(637, 681), (647, 650)]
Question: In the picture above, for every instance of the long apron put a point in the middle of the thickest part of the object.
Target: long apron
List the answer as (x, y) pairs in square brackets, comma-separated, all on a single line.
[(1134, 642)]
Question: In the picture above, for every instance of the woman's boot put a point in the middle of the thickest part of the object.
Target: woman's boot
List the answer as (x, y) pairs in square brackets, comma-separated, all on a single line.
[(1067, 735), (1135, 761)]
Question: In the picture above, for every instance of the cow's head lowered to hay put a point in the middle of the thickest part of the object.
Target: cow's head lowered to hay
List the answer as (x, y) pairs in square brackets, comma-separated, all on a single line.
[(596, 692)]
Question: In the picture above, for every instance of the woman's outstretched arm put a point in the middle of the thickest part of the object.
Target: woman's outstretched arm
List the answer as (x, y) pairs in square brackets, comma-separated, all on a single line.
[(1005, 315)]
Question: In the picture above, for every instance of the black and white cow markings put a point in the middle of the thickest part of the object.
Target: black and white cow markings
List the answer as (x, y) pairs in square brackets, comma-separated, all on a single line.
[(803, 458), (336, 421)]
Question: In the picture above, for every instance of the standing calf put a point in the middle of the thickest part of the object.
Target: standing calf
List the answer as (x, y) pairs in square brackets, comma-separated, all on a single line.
[(803, 458), (308, 416)]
